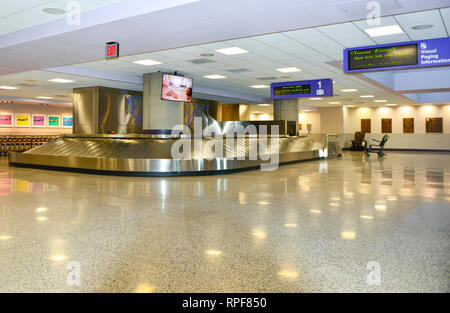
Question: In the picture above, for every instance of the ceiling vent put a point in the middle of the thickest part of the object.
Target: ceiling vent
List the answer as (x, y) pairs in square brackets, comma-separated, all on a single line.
[(238, 70), (202, 61), (28, 85), (267, 78)]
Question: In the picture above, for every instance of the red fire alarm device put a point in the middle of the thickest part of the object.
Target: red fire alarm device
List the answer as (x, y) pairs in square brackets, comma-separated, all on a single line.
[(111, 50)]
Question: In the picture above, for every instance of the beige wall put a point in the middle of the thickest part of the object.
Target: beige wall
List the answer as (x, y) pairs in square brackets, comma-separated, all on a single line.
[(331, 120), (353, 117), (311, 117), (419, 140), (34, 109), (261, 117), (244, 112)]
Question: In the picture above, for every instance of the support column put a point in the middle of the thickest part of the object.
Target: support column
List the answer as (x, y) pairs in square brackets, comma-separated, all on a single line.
[(286, 109), (160, 116)]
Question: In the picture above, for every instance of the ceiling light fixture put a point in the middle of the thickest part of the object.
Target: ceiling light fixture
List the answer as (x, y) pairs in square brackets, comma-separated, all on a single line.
[(289, 70), (264, 105), (60, 80), (367, 96), (214, 76), (53, 11), (379, 101), (422, 27), (349, 90), (8, 87), (44, 97), (384, 31), (334, 102), (315, 99), (259, 86), (391, 104), (232, 51), (147, 62)]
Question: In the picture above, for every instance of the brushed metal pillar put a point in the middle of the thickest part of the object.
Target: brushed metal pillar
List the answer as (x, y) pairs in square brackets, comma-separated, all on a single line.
[(286, 109), (103, 110), (160, 116)]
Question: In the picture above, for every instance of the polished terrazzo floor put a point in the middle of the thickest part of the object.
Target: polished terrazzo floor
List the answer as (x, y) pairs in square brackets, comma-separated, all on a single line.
[(308, 227)]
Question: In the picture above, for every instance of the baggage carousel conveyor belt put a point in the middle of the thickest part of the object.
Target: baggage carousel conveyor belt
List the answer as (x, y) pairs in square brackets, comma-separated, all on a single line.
[(148, 156)]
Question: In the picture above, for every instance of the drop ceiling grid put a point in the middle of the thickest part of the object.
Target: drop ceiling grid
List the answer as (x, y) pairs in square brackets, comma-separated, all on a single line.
[(433, 17), (300, 48), (21, 14), (445, 14)]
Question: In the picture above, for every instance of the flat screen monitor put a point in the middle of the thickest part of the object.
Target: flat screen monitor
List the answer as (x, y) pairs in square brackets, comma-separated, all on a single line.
[(292, 90), (176, 88), (382, 57)]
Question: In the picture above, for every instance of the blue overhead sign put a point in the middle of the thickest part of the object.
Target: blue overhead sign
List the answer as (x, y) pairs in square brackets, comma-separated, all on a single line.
[(421, 53), (303, 88)]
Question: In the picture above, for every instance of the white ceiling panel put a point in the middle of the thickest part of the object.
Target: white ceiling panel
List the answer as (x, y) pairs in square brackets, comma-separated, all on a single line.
[(433, 17), (19, 14), (384, 21), (347, 34), (318, 41), (315, 51), (445, 13)]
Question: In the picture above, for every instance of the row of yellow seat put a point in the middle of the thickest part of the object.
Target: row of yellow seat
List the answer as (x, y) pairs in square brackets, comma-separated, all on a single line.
[(22, 142)]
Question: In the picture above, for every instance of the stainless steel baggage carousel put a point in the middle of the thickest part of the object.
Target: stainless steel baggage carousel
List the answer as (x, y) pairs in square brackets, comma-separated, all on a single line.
[(146, 155)]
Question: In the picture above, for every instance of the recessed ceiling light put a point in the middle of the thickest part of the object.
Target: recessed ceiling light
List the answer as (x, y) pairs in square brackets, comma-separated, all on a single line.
[(147, 62), (315, 99), (264, 105), (259, 86), (289, 70), (207, 55), (367, 96), (349, 90), (8, 87), (214, 76), (380, 101), (334, 103), (232, 51), (44, 97), (384, 31), (60, 80), (422, 27), (53, 11), (391, 104)]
